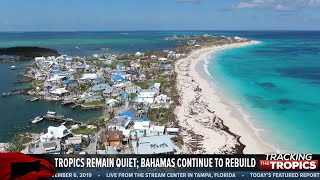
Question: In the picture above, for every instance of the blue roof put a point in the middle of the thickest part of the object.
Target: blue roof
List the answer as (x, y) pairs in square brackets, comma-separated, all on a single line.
[(97, 80), (127, 114), (120, 64), (125, 95), (116, 77), (145, 118), (66, 81), (99, 87)]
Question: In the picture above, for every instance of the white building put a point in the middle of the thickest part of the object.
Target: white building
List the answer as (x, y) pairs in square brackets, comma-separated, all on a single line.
[(60, 92), (55, 133), (88, 77), (145, 97)]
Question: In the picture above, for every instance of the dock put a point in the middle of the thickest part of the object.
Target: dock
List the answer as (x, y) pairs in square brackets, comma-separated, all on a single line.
[(62, 119), (16, 91)]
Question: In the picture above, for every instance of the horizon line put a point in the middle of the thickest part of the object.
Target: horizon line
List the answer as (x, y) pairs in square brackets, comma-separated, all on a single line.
[(190, 30)]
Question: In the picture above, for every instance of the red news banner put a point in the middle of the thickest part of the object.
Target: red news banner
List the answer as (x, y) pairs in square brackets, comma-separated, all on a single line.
[(291, 162)]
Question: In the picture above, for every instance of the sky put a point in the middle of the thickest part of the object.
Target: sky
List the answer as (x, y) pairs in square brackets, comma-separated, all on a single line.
[(104, 15)]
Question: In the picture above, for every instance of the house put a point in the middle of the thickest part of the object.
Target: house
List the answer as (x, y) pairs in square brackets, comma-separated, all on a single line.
[(120, 66), (108, 61), (55, 133), (135, 64), (79, 66), (132, 88), (116, 92), (116, 78), (142, 76), (172, 131), (166, 66), (155, 86), (145, 96), (154, 145), (124, 96), (60, 92), (51, 147), (154, 65), (153, 56), (99, 87), (56, 79), (71, 84), (162, 99), (97, 80), (155, 130), (112, 103), (90, 98), (127, 114), (113, 139), (118, 124), (163, 60), (140, 129), (88, 77), (108, 91)]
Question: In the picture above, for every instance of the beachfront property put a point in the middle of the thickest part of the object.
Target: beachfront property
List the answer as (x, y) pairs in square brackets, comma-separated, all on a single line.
[(138, 95), (154, 145)]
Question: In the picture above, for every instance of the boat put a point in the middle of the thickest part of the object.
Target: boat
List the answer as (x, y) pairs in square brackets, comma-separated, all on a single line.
[(13, 67), (36, 120), (51, 114), (33, 99)]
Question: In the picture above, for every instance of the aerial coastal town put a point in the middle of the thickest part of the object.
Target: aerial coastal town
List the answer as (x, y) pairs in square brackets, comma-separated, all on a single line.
[(137, 93)]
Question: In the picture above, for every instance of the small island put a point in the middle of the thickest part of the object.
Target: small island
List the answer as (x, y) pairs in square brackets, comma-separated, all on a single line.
[(24, 53), (152, 96)]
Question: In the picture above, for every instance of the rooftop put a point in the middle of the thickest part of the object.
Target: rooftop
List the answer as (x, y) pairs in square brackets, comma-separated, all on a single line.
[(153, 145)]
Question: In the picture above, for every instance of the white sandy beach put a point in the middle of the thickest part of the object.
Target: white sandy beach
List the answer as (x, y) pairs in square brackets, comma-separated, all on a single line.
[(204, 114)]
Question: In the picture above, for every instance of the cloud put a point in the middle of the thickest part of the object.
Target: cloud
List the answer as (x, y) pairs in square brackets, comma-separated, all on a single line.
[(189, 1), (279, 5), (254, 4)]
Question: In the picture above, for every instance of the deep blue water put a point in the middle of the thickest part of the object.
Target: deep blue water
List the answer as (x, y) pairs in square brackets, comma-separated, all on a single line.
[(277, 82)]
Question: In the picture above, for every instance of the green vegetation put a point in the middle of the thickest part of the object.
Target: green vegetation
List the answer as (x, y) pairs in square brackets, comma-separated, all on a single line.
[(25, 52), (17, 143), (161, 115), (94, 103), (37, 83), (145, 84), (127, 57), (84, 130), (100, 122)]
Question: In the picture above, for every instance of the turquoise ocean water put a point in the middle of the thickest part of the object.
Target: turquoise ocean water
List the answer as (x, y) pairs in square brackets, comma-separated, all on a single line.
[(277, 82)]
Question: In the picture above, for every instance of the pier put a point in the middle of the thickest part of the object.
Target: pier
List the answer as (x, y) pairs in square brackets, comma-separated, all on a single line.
[(61, 119), (16, 91)]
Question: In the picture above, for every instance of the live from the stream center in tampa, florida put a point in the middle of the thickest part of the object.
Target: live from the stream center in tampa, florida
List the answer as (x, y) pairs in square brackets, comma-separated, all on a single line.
[(159, 89)]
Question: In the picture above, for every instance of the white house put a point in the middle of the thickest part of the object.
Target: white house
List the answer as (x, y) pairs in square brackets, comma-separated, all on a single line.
[(55, 133), (60, 92), (155, 130), (145, 96), (162, 99), (88, 77)]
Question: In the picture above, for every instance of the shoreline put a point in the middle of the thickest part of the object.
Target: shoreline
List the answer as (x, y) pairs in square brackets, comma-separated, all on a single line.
[(220, 125)]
